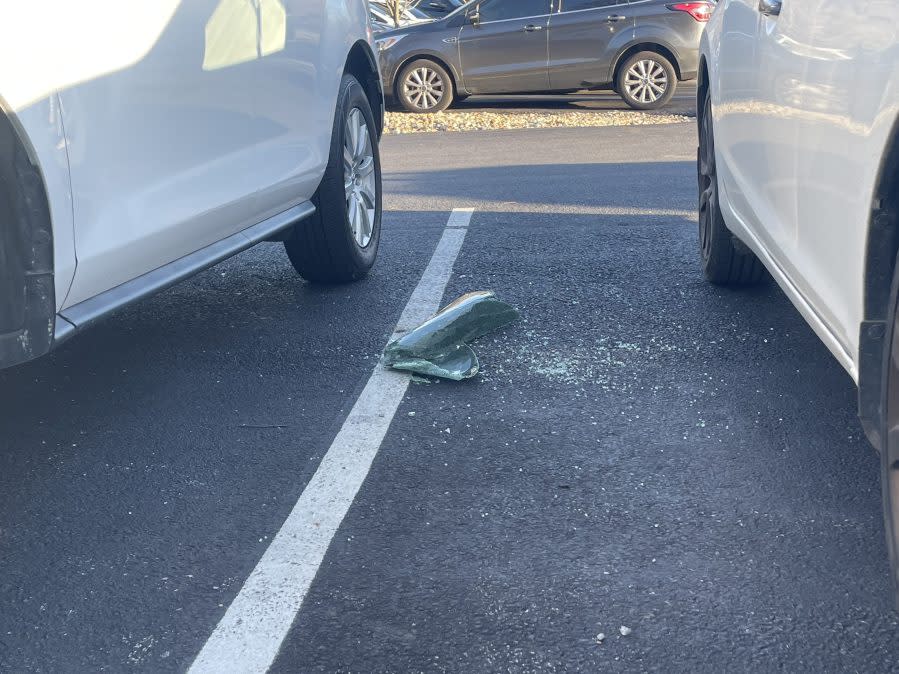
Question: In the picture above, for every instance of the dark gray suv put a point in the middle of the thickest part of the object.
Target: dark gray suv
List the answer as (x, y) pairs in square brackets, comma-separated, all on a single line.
[(639, 48)]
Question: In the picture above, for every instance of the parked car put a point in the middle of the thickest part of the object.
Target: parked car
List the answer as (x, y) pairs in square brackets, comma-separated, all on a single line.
[(183, 136), (640, 49), (798, 168)]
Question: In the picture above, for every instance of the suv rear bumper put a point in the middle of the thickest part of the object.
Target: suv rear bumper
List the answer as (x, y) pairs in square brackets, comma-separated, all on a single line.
[(27, 292)]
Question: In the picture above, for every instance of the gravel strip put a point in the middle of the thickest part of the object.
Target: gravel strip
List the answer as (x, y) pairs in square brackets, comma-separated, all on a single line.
[(404, 122)]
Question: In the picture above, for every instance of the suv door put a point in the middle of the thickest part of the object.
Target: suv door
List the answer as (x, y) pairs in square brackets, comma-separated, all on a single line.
[(506, 49), (583, 41), (163, 132)]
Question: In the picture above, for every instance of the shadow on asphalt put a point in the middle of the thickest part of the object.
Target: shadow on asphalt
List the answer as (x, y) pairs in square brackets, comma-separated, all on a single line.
[(683, 102), (532, 183)]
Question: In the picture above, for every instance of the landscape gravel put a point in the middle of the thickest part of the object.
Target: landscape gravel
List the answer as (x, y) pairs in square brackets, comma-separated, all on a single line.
[(404, 122)]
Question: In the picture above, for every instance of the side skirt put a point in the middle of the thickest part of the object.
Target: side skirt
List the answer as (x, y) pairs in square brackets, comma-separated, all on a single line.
[(80, 315)]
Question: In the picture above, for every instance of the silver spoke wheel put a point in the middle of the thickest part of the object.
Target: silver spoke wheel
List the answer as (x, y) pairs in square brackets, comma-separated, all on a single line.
[(424, 88), (359, 177), (646, 81)]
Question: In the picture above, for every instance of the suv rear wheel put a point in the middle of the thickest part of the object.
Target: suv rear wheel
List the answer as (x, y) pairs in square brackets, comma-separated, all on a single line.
[(339, 242)]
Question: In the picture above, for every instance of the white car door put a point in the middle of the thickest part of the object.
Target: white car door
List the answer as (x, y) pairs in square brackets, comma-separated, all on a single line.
[(294, 100), (164, 139), (756, 71), (734, 92), (844, 110), (760, 122), (772, 197)]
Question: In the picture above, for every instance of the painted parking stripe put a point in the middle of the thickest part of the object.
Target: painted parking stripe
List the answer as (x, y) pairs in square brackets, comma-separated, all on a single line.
[(249, 636)]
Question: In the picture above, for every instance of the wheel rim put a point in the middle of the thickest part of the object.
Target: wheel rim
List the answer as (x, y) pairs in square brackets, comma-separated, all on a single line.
[(646, 81), (708, 180), (424, 88), (359, 184)]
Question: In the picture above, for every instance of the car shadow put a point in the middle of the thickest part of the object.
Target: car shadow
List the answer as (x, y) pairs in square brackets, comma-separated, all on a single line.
[(624, 184), (682, 104)]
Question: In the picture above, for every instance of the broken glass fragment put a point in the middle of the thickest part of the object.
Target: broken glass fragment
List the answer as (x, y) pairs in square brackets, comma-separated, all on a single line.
[(439, 346)]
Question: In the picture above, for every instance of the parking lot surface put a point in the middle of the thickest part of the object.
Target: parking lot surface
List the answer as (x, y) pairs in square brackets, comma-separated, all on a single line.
[(641, 451)]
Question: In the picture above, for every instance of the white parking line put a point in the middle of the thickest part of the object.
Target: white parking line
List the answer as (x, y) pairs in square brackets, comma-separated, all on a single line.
[(249, 636)]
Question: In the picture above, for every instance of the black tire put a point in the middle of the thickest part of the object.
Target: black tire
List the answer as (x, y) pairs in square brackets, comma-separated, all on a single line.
[(725, 259), (660, 74), (420, 82), (324, 248), (889, 451)]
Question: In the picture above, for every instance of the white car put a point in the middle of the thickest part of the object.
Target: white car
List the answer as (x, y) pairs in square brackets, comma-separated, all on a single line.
[(798, 165), (143, 141)]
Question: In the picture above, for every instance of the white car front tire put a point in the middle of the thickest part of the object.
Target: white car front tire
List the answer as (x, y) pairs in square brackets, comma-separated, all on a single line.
[(339, 242), (725, 260)]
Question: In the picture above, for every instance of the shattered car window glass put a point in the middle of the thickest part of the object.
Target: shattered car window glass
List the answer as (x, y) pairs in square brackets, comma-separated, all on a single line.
[(439, 347)]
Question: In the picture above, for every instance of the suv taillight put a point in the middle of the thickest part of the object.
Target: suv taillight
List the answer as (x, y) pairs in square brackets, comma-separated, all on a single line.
[(701, 11)]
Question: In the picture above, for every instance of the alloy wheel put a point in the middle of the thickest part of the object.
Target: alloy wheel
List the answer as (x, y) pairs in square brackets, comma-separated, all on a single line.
[(646, 81), (359, 177), (424, 88)]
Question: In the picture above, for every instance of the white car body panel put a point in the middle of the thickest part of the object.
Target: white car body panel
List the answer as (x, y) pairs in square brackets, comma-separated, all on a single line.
[(42, 123), (804, 106), (164, 126)]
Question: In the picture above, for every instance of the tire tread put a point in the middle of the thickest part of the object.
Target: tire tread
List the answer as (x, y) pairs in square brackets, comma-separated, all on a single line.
[(319, 248), (729, 261)]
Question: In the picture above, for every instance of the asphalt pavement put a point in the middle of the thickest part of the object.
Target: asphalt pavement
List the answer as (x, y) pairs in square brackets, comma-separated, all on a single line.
[(641, 450)]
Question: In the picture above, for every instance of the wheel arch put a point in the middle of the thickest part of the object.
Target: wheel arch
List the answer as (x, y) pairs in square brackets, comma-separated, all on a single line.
[(27, 285), (361, 63), (881, 250), (630, 50)]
